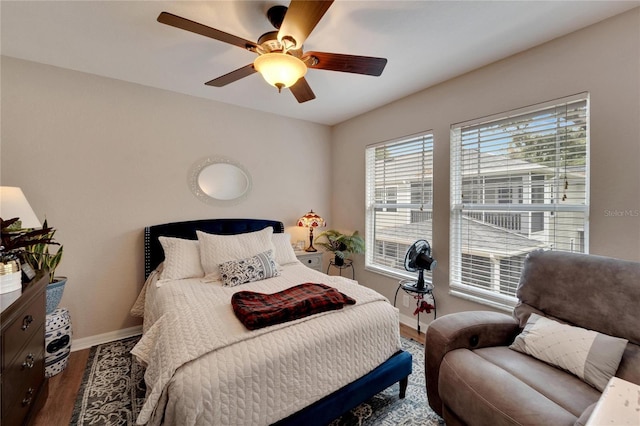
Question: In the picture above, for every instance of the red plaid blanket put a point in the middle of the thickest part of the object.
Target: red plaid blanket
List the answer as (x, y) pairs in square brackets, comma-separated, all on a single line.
[(257, 310)]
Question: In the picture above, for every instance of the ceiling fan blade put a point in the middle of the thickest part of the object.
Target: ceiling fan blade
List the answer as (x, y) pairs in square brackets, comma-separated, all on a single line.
[(301, 18), (236, 75), (345, 63), (194, 27), (302, 91)]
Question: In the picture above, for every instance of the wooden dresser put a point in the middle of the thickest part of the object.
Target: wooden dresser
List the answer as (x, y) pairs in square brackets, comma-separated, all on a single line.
[(22, 351)]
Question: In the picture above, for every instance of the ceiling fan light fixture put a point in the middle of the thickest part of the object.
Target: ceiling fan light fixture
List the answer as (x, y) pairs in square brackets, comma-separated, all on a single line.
[(279, 69)]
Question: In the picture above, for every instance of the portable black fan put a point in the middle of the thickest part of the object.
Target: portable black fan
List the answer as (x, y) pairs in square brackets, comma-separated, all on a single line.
[(418, 258)]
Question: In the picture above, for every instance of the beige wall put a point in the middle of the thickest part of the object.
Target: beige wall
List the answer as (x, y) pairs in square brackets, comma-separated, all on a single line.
[(603, 59), (102, 158)]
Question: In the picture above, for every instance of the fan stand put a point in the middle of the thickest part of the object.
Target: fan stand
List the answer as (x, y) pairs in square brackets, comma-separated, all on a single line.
[(418, 258), (417, 286), (412, 288), (420, 283)]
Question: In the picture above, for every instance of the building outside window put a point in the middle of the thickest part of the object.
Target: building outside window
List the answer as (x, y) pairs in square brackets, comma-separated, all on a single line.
[(399, 195), (519, 183)]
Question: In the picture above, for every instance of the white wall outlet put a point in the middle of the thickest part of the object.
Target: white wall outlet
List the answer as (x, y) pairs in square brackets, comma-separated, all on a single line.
[(405, 300)]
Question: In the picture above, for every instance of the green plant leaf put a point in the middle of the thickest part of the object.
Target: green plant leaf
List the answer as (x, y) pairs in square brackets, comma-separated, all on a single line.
[(342, 245)]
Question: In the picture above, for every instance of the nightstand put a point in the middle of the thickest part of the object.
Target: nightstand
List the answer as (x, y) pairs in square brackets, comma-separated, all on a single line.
[(312, 259)]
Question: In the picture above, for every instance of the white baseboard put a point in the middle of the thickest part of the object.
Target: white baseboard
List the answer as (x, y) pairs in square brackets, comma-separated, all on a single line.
[(87, 342), (413, 323)]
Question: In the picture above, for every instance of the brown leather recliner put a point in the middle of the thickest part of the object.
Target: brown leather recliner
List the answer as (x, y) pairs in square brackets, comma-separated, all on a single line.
[(474, 378)]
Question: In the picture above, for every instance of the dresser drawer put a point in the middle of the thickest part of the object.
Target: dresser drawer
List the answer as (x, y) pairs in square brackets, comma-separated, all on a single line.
[(311, 260), (23, 385), (20, 388), (18, 371), (16, 409), (23, 329)]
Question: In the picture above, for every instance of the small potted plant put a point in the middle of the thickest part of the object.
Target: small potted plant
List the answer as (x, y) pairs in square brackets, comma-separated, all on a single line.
[(341, 245), (14, 242), (39, 257)]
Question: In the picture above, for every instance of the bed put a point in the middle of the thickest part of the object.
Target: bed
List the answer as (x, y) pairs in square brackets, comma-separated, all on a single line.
[(203, 366)]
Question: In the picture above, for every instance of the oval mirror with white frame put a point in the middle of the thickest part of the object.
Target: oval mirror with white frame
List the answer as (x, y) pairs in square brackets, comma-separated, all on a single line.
[(219, 180)]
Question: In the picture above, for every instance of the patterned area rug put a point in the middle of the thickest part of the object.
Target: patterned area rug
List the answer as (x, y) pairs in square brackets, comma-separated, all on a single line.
[(112, 392)]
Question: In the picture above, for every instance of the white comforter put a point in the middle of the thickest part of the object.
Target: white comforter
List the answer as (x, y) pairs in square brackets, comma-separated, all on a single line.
[(205, 367)]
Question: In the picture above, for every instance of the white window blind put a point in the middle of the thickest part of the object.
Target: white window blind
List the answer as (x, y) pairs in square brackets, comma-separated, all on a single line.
[(519, 182), (399, 198)]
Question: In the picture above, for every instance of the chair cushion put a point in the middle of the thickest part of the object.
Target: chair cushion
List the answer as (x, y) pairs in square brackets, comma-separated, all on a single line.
[(603, 292), (564, 389), (498, 386), (594, 357)]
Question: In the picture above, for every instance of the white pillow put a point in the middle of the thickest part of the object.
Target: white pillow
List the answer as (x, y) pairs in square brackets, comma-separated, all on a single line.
[(181, 259), (284, 252), (593, 357), (217, 249)]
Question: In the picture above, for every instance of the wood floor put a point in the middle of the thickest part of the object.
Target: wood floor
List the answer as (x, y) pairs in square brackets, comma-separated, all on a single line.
[(411, 333), (63, 387)]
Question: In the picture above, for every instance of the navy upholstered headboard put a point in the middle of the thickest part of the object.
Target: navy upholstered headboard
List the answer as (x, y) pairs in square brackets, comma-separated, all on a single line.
[(154, 255)]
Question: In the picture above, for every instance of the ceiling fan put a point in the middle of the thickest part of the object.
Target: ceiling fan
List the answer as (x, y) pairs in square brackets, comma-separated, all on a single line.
[(282, 61)]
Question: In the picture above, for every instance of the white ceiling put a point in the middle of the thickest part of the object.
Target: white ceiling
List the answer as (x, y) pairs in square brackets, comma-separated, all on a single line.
[(426, 42)]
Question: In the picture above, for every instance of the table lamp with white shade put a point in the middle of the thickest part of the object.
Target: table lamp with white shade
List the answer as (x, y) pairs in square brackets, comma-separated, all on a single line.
[(13, 204)]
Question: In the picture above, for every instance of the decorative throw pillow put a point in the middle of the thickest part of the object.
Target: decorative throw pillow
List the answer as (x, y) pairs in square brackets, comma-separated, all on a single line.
[(284, 253), (593, 357), (217, 249), (181, 259), (254, 268)]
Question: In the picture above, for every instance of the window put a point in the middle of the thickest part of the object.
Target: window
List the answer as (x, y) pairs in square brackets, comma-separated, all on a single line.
[(399, 200), (391, 197), (387, 195), (537, 197), (519, 183)]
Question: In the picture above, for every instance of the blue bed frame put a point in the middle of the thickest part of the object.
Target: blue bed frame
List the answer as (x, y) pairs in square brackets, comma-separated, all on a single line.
[(395, 369)]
